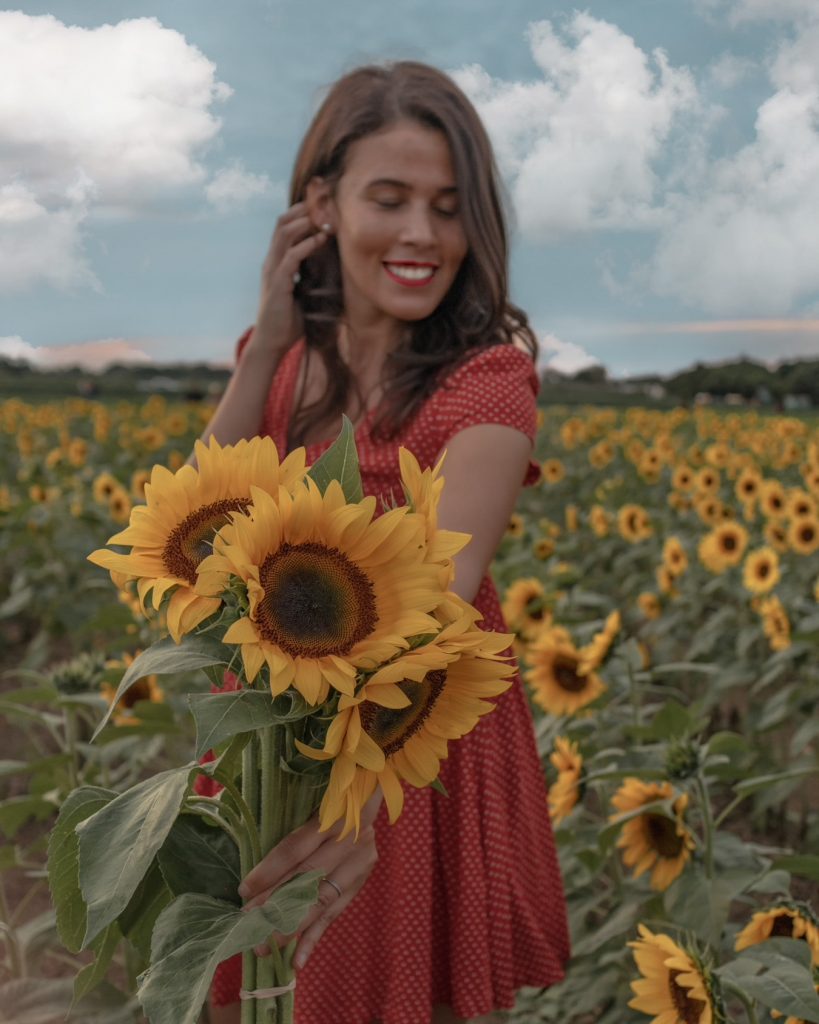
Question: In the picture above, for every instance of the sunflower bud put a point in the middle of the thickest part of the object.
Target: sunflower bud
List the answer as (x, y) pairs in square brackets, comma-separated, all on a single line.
[(683, 758), (82, 674)]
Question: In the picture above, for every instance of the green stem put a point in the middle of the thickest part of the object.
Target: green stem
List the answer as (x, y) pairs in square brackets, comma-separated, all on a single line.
[(707, 824), (747, 1005), (247, 816), (634, 694), (70, 726), (729, 809), (250, 795), (18, 965)]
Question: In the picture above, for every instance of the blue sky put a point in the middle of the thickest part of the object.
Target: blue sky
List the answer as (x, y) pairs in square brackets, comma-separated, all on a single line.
[(661, 158)]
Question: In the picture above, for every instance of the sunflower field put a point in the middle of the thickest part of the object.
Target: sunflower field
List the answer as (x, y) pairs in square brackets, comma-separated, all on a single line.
[(662, 581)]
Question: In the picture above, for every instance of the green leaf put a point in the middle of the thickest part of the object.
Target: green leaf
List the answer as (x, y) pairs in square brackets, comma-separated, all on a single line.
[(201, 858), (340, 462), (775, 950), (196, 933), (137, 921), (63, 862), (219, 716), (118, 843), (165, 657), (748, 786), (17, 810), (93, 974), (806, 865), (787, 988)]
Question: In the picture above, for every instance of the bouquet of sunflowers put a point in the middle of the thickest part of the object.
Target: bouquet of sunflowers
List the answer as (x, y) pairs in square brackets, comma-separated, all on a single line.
[(354, 665)]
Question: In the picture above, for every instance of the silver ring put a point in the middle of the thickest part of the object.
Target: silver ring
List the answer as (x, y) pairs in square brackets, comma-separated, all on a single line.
[(296, 277), (335, 885)]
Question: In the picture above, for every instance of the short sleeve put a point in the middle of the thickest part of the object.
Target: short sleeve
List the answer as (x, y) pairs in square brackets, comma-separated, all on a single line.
[(497, 385)]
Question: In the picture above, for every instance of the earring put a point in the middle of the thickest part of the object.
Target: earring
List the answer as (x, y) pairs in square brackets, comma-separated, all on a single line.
[(327, 229)]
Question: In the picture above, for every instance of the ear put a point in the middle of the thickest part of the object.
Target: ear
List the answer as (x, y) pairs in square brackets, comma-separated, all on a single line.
[(321, 207)]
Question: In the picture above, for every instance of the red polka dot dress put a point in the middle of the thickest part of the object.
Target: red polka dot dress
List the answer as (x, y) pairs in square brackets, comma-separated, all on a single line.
[(465, 904)]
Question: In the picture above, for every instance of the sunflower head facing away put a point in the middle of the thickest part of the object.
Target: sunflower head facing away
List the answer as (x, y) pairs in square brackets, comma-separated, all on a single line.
[(790, 919), (330, 588), (653, 841), (674, 986), (173, 532), (564, 792)]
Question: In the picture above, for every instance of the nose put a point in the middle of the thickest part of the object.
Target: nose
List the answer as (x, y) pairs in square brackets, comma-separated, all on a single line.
[(417, 227)]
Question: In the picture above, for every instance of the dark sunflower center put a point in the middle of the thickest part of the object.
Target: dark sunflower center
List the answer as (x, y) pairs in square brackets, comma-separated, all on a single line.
[(689, 1010), (392, 727), (632, 521), (566, 676), (317, 602), (729, 542), (783, 925), (141, 690), (807, 534), (763, 569), (662, 836), (190, 541)]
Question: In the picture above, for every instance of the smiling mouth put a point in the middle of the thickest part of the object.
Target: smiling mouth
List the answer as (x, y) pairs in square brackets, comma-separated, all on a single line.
[(409, 275)]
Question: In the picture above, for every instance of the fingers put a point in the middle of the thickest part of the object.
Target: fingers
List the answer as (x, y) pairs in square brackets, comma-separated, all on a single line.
[(283, 861), (349, 877)]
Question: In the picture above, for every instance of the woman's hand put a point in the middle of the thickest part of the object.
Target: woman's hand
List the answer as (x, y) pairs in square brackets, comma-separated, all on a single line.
[(347, 863), (278, 322)]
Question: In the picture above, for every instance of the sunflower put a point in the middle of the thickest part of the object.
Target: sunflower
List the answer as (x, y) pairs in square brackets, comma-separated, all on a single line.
[(524, 606), (565, 790), (776, 535), (788, 918), (761, 570), (653, 840), (397, 726), (772, 498), (553, 471), (682, 479), (422, 489), (633, 523), (803, 535), (800, 503), (173, 532), (119, 505), (674, 556), (557, 684), (674, 987), (543, 548), (103, 487), (709, 509), (77, 451), (145, 689), (724, 546), (775, 623), (593, 654), (599, 520), (572, 519), (707, 480), (649, 604), (139, 478), (601, 454), (516, 526), (331, 589)]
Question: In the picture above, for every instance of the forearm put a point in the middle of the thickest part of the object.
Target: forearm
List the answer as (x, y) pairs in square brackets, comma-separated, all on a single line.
[(241, 408)]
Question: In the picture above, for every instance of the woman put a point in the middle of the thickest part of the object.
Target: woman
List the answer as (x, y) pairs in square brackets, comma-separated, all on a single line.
[(384, 296)]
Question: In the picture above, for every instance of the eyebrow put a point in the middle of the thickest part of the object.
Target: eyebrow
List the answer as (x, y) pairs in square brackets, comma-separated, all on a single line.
[(395, 183)]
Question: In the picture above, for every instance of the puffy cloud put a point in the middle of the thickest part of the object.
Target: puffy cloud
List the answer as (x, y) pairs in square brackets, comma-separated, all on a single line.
[(579, 146), (233, 187), (563, 356), (109, 119), (745, 241), (728, 70), (91, 355)]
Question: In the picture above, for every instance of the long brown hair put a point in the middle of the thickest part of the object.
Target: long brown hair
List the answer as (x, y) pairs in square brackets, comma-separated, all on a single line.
[(476, 312)]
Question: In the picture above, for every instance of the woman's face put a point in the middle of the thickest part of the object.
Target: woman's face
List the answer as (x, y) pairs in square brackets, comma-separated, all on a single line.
[(397, 223)]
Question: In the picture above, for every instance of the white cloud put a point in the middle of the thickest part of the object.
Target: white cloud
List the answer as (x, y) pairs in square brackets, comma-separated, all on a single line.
[(563, 356), (778, 10), (233, 187), (109, 119), (728, 70), (745, 242), (91, 355), (41, 244), (579, 146)]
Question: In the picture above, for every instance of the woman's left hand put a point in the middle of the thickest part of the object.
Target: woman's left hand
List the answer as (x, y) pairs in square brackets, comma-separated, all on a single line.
[(348, 862)]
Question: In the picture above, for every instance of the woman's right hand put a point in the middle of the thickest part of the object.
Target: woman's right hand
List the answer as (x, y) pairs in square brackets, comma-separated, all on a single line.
[(278, 322)]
